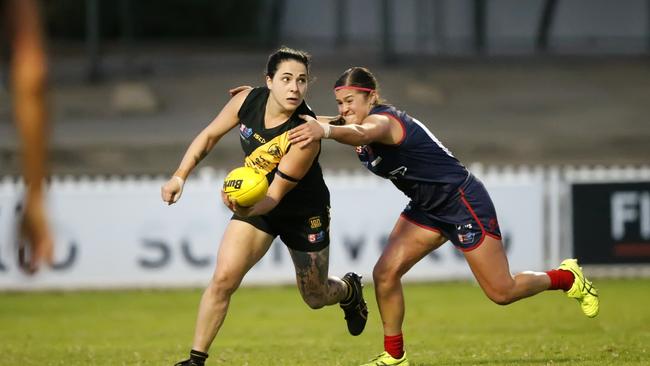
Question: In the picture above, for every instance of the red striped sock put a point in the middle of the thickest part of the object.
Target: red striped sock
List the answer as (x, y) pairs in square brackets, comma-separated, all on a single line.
[(560, 279), (394, 345)]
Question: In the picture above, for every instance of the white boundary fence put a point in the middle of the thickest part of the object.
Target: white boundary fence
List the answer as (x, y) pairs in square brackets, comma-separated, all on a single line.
[(116, 232)]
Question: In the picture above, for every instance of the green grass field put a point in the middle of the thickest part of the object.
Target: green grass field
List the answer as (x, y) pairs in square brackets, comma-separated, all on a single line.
[(446, 324)]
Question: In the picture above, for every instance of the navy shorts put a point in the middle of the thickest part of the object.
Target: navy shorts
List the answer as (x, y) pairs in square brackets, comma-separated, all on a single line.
[(304, 232), (465, 217)]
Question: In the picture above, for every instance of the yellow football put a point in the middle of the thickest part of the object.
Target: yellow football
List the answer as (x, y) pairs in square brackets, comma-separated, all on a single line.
[(245, 185)]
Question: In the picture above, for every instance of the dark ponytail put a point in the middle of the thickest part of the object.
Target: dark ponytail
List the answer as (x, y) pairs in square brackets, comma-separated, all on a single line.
[(283, 54)]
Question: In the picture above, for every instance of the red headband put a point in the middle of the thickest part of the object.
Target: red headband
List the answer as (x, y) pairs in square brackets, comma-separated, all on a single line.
[(354, 88)]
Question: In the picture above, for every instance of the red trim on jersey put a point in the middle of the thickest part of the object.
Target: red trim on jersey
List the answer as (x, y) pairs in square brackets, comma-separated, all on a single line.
[(401, 123), (434, 229)]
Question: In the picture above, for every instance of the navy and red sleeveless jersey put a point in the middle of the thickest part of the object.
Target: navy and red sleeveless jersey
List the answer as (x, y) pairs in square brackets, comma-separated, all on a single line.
[(419, 165)]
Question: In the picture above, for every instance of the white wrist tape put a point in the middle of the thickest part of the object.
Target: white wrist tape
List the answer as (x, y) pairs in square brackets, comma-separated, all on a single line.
[(327, 130)]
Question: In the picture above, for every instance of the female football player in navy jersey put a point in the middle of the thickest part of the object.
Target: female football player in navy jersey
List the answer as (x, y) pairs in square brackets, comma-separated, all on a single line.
[(296, 206), (447, 203)]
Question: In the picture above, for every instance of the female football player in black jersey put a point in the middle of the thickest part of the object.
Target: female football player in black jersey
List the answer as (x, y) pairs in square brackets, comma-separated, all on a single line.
[(447, 203), (296, 206)]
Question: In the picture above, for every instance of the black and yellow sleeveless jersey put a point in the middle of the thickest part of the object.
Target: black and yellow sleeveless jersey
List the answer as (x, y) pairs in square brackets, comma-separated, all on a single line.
[(264, 147)]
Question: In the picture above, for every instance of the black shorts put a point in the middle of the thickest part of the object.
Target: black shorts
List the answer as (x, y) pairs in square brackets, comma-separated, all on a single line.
[(465, 218), (304, 232)]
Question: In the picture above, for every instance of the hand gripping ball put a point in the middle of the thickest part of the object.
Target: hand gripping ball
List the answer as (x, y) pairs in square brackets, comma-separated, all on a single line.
[(245, 185)]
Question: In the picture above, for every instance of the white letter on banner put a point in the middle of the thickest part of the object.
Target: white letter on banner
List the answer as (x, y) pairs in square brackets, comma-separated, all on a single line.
[(645, 215), (622, 212)]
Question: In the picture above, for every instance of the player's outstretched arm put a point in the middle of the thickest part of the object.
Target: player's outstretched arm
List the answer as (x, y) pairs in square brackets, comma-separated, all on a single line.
[(373, 128), (201, 146), (308, 132)]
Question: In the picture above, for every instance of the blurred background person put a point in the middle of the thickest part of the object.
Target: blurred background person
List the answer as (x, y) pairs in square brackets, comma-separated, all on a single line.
[(28, 88)]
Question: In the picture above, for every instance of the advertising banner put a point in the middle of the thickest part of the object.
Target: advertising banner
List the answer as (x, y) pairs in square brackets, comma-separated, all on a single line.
[(611, 222), (119, 233)]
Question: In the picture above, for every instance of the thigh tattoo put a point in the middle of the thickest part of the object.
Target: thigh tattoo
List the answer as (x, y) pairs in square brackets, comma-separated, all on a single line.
[(311, 267)]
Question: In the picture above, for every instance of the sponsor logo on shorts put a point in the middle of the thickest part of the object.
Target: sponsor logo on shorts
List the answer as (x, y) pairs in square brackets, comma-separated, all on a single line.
[(315, 222), (493, 224), (244, 131), (316, 238), (465, 233), (467, 238)]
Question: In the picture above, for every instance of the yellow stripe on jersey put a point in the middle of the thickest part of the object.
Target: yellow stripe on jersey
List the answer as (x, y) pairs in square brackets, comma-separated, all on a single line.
[(267, 156)]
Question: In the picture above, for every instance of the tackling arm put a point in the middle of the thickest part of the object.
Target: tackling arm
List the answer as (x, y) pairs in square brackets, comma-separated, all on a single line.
[(374, 128)]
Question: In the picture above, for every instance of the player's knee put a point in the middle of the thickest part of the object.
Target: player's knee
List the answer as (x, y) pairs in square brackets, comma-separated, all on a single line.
[(500, 296), (382, 274), (315, 301), (223, 285)]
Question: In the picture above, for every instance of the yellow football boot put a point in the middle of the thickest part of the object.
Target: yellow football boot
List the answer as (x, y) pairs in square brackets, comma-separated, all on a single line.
[(385, 359), (582, 290)]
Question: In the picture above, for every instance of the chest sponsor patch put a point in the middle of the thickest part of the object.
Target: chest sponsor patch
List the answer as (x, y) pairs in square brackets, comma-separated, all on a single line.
[(245, 132)]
